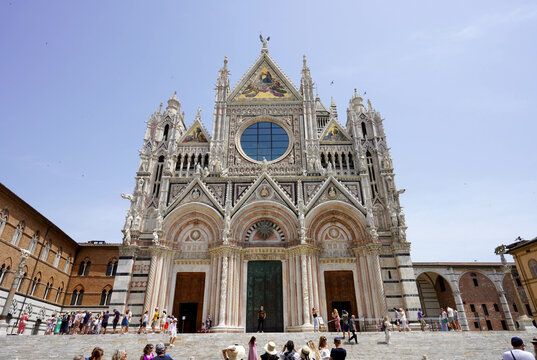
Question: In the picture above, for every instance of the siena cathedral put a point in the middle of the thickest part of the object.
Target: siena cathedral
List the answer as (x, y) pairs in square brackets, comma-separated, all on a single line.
[(281, 206)]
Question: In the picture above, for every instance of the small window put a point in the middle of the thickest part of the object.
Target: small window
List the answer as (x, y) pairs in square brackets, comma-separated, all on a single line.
[(165, 135), (472, 308), (485, 310), (489, 325), (496, 308), (476, 324), (504, 325), (515, 307), (475, 282), (389, 274), (74, 297), (518, 282), (364, 130), (528, 309)]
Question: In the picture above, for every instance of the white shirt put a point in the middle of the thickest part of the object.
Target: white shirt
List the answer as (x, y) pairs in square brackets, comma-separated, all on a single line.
[(325, 354), (519, 355), (450, 312)]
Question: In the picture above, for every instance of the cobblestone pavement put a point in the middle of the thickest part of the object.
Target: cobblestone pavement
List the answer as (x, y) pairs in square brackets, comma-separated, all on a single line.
[(413, 345)]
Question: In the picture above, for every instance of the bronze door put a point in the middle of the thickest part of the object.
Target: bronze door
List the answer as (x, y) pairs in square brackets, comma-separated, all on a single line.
[(340, 295), (264, 288), (188, 301)]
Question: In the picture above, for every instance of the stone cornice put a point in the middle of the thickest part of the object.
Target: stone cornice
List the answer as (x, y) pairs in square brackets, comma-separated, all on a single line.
[(341, 260), (401, 246), (303, 249), (192, 262)]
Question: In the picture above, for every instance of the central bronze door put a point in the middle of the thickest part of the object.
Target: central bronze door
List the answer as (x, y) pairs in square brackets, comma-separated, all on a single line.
[(264, 288)]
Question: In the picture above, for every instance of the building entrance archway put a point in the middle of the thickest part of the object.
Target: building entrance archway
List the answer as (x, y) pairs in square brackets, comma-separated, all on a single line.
[(435, 293)]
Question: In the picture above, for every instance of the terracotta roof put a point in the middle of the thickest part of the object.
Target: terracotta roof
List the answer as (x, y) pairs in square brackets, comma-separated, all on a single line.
[(474, 263)]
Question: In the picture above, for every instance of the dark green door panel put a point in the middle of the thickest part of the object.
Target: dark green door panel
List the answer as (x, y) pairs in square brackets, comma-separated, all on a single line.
[(264, 288)]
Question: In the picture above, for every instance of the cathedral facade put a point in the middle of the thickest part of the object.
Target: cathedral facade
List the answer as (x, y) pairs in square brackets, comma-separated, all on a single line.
[(281, 206)]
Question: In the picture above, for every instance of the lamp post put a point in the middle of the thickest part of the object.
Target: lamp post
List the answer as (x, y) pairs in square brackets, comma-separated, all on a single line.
[(18, 276)]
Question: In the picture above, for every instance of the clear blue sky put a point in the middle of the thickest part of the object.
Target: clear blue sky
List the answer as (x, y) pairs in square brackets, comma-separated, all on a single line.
[(456, 82)]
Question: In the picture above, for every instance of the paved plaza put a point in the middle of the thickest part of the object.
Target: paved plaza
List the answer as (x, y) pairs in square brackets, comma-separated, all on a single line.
[(413, 345)]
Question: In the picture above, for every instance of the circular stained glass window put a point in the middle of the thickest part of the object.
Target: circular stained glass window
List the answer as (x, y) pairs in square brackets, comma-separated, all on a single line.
[(264, 140)]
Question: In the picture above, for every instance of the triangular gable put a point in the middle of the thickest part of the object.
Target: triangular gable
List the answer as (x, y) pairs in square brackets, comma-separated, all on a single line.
[(195, 191), (195, 135), (332, 189), (264, 81), (272, 192), (333, 133)]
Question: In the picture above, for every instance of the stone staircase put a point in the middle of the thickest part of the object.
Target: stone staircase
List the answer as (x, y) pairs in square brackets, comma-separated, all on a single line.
[(410, 345)]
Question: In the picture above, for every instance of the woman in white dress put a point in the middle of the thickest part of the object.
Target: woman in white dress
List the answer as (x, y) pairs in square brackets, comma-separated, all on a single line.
[(404, 321)]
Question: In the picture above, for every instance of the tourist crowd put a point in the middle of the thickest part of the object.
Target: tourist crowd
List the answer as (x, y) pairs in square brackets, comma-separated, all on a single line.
[(309, 351), (121, 354)]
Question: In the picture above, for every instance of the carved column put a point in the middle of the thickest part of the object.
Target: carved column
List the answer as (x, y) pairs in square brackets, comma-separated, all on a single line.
[(305, 292), (150, 281), (374, 252)]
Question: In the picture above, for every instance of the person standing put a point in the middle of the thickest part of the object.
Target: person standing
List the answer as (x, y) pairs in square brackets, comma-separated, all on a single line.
[(106, 316), (387, 330), (518, 352), (404, 321), (115, 321), (443, 316), (261, 316), (172, 320), (252, 349), (315, 319), (450, 318), (163, 321), (338, 353), (58, 327), (143, 323), (22, 323), (421, 319), (125, 322), (456, 320), (154, 323), (352, 329), (288, 352), (337, 324), (397, 319)]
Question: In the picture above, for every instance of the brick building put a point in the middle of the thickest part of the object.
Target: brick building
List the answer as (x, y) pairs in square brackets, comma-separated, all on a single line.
[(488, 296), (58, 274)]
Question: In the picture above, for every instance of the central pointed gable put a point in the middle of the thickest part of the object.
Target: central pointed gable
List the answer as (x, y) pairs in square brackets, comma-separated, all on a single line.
[(264, 81)]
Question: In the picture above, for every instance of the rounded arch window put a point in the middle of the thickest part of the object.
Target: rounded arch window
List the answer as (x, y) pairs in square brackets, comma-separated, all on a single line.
[(264, 140)]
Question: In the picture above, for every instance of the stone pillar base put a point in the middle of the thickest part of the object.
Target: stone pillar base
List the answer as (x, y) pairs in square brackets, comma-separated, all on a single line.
[(3, 328), (226, 329), (299, 328), (526, 324)]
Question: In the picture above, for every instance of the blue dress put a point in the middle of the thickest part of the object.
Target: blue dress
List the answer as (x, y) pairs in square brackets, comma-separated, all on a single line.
[(125, 321)]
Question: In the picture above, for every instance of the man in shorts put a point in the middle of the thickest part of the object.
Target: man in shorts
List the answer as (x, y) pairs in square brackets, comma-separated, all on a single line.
[(173, 329), (154, 322), (421, 319), (345, 323)]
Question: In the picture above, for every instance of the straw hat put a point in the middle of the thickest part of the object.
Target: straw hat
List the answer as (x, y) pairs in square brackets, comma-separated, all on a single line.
[(304, 351), (236, 352), (270, 348)]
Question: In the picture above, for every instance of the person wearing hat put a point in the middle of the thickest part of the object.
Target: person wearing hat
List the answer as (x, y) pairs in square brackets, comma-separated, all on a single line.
[(518, 352), (305, 353), (270, 351), (160, 349), (234, 352)]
